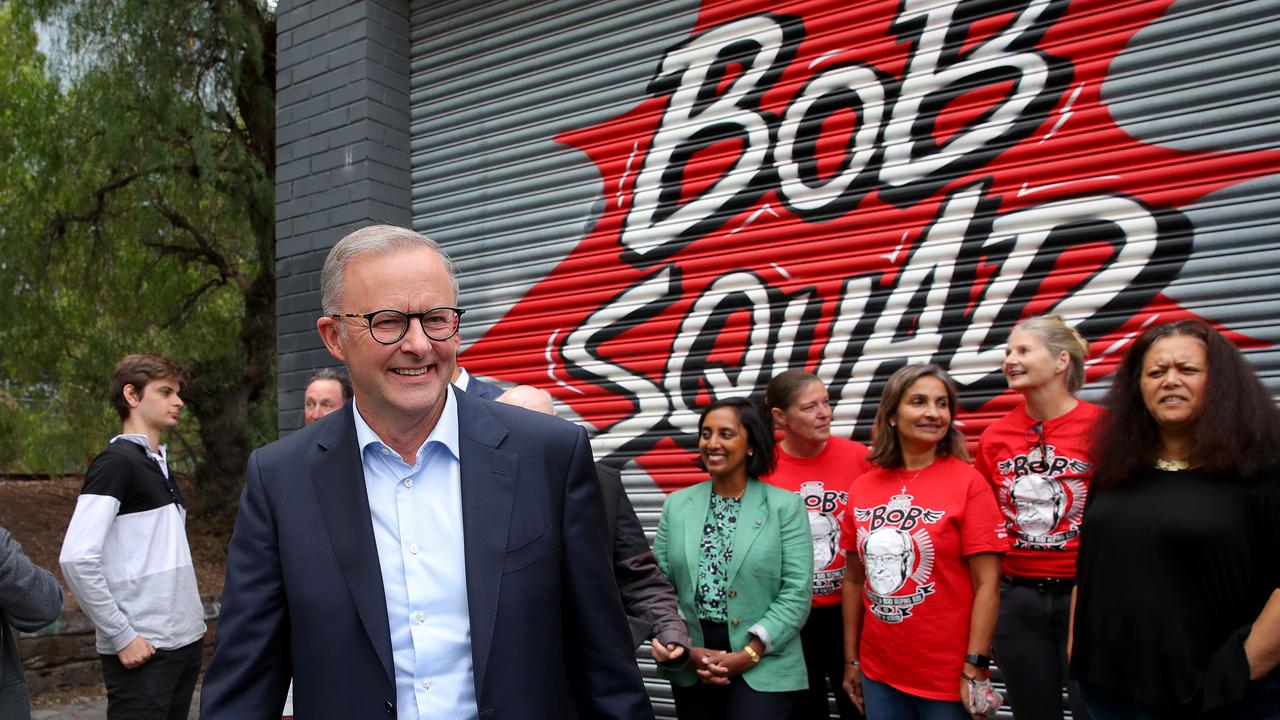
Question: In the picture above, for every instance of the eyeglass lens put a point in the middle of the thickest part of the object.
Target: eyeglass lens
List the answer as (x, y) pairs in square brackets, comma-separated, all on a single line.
[(389, 326)]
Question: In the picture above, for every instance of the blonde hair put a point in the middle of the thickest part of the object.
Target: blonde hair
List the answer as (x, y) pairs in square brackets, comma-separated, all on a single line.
[(1060, 337)]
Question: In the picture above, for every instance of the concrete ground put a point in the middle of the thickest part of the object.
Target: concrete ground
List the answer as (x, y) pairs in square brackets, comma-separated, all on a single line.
[(93, 709)]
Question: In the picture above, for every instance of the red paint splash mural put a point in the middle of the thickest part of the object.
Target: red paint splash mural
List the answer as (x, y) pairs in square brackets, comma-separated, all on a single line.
[(847, 188)]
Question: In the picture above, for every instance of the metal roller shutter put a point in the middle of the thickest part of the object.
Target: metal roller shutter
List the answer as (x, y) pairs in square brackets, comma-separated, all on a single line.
[(653, 204)]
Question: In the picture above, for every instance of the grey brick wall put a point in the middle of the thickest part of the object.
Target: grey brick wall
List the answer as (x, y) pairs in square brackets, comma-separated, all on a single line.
[(342, 156)]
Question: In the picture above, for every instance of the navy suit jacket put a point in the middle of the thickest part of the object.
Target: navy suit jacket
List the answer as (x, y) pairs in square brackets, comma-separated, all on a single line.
[(480, 388), (304, 595)]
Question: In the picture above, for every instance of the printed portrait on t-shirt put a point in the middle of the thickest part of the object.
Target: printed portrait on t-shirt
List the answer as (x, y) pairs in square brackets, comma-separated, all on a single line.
[(897, 555), (823, 505), (889, 556), (1042, 498), (825, 532), (1039, 503)]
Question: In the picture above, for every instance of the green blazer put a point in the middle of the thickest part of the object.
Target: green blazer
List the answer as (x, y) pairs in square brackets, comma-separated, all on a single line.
[(770, 576)]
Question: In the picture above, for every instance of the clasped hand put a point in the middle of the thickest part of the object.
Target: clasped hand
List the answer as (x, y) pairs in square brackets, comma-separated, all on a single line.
[(717, 667)]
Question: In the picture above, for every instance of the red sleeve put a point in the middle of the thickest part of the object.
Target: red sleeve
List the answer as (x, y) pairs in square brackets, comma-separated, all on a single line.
[(849, 531), (983, 529), (980, 462)]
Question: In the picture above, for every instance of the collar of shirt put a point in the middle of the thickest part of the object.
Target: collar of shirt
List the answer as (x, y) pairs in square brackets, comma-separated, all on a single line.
[(161, 456), (445, 433), (413, 508), (464, 378)]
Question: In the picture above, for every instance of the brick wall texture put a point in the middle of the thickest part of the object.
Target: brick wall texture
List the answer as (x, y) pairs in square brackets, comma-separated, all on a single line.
[(342, 157)]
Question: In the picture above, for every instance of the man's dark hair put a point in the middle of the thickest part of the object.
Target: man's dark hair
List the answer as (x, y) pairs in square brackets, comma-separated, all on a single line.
[(1236, 432), (759, 434), (138, 370), (332, 374)]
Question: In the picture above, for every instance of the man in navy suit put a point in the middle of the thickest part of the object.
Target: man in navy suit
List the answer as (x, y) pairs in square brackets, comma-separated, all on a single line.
[(474, 385), (420, 553)]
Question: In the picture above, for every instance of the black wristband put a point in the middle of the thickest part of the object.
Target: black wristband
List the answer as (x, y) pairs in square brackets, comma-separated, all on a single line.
[(982, 662)]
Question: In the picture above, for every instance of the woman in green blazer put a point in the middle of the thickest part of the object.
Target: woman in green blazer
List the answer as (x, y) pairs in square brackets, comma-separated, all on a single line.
[(740, 556)]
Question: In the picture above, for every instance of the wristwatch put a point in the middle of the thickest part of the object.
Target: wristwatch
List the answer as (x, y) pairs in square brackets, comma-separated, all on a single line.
[(982, 662)]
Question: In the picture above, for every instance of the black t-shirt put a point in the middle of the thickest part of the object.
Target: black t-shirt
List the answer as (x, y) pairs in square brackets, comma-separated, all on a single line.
[(1173, 568)]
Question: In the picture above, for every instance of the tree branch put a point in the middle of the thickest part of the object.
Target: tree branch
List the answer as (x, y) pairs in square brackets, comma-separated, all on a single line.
[(204, 250), (189, 302)]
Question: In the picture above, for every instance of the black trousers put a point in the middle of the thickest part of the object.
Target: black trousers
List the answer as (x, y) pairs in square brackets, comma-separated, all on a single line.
[(823, 640), (735, 701), (160, 689), (1031, 650)]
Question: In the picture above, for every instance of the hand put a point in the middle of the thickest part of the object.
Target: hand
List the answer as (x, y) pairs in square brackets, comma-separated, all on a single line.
[(665, 653), (964, 697), (136, 653), (965, 674), (853, 686), (709, 671), (733, 663)]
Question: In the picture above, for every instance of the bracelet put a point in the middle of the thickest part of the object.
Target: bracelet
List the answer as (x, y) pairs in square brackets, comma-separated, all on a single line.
[(751, 653), (854, 662)]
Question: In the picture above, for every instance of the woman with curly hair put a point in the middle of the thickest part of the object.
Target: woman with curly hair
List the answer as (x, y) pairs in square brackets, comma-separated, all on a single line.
[(1177, 608)]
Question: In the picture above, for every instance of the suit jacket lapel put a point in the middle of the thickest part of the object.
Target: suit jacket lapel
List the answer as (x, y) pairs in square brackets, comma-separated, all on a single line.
[(338, 477), (751, 519), (695, 520), (488, 478)]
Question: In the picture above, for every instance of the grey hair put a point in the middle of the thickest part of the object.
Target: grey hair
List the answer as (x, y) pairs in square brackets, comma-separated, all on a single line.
[(375, 239), (1060, 337)]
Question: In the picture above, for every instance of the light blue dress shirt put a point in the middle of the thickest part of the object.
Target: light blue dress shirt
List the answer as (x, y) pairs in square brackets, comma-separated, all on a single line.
[(417, 525)]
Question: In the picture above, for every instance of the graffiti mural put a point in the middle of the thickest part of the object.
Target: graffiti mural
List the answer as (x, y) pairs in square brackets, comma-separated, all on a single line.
[(851, 187)]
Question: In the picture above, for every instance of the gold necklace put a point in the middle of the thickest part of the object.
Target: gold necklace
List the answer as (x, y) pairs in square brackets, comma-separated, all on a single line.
[(912, 478), (1172, 465)]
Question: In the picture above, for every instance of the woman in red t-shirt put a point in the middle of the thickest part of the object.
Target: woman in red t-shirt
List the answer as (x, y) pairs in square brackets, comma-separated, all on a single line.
[(920, 604), (820, 469), (1038, 463)]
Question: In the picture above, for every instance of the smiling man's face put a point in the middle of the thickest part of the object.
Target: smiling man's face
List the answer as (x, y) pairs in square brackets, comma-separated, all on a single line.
[(405, 382)]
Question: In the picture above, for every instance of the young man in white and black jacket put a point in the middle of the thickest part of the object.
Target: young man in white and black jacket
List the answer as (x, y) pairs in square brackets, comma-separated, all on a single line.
[(126, 557)]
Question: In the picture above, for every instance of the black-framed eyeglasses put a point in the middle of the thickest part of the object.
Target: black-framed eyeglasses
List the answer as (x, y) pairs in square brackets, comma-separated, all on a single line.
[(388, 327), (1035, 434)]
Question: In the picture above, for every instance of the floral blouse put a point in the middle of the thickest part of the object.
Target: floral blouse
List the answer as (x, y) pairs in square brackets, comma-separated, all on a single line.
[(716, 553)]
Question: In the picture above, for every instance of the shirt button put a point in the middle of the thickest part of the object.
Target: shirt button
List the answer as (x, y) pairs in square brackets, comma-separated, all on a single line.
[(413, 549), (426, 684), (733, 593), (420, 617), (408, 482), (735, 622), (385, 451)]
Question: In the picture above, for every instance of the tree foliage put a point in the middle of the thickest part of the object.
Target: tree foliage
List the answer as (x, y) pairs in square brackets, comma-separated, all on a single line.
[(137, 213)]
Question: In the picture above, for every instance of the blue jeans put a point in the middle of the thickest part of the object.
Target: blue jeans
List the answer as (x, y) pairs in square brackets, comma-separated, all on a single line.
[(885, 702), (1261, 702)]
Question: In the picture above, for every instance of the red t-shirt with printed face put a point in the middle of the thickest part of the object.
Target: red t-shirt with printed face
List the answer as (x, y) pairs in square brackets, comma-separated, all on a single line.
[(912, 531), (1041, 493), (823, 482)]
